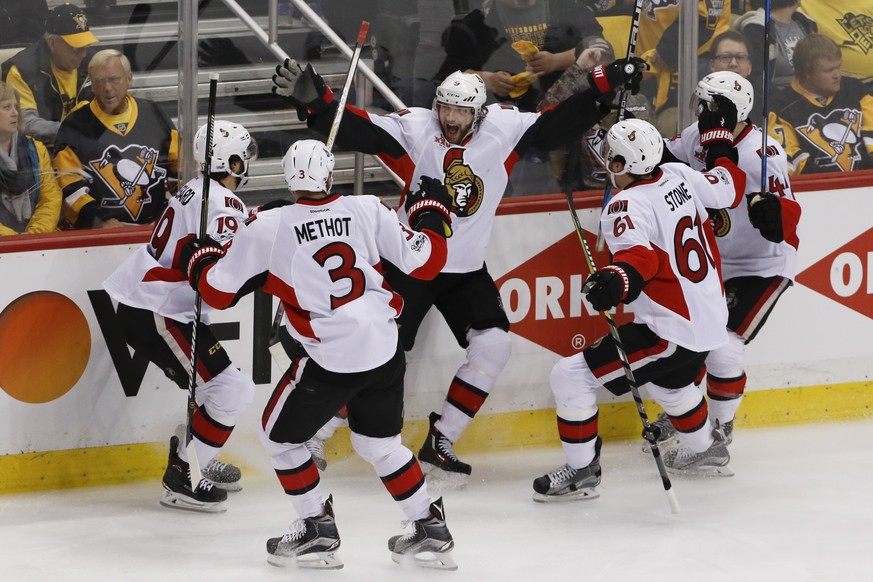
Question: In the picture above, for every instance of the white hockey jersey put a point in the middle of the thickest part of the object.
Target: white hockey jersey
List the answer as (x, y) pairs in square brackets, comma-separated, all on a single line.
[(149, 278), (661, 228), (476, 172), (744, 252), (321, 258)]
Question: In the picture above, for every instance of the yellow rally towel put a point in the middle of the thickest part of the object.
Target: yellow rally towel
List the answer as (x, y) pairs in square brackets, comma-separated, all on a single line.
[(522, 84), (525, 48)]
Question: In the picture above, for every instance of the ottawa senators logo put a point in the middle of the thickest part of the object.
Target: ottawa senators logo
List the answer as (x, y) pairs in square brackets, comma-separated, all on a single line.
[(721, 222), (131, 175), (465, 187), (837, 135)]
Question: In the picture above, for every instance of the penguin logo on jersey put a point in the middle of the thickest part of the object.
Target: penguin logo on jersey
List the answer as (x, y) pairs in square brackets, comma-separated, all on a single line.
[(837, 136), (466, 188), (649, 7), (130, 174)]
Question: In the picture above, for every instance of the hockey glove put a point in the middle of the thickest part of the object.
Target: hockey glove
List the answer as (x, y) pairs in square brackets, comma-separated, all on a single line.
[(430, 207), (607, 287), (278, 203), (303, 88), (195, 255), (716, 122), (765, 214), (604, 80)]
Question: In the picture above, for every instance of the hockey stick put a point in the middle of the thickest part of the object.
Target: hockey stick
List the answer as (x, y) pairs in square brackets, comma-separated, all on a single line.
[(275, 345), (765, 96), (622, 104), (625, 364), (193, 462)]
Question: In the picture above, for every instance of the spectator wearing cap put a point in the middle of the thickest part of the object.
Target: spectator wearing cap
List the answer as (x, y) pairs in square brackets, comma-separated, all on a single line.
[(51, 75)]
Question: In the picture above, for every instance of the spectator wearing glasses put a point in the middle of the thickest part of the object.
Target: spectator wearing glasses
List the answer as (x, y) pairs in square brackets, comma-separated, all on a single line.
[(127, 149), (51, 75), (731, 51)]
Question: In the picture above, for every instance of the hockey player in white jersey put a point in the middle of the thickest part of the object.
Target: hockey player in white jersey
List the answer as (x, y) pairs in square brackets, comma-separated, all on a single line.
[(757, 240), (666, 265), (322, 257), (156, 311), (473, 148)]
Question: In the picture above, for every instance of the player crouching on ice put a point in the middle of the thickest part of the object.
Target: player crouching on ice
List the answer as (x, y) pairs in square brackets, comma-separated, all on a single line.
[(665, 262), (322, 258)]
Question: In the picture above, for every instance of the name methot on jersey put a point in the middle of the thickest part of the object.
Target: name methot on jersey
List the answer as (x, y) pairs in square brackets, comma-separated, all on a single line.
[(316, 228)]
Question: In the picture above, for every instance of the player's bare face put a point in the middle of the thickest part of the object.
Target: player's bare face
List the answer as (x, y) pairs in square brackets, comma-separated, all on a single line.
[(110, 83), (825, 77), (455, 122), (8, 119)]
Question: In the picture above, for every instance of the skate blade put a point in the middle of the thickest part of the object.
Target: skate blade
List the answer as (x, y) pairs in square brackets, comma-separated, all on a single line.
[(176, 501), (229, 487), (708, 471), (441, 480), (578, 495), (429, 560), (664, 445), (313, 561)]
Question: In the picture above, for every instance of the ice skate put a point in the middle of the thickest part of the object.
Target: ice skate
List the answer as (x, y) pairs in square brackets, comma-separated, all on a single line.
[(713, 462), (568, 484), (439, 461), (429, 544), (728, 429), (223, 475), (315, 446), (206, 498), (665, 432), (311, 543)]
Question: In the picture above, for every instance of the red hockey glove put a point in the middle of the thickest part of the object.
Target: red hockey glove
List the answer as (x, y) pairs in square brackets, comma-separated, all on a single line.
[(623, 73), (430, 207), (195, 255)]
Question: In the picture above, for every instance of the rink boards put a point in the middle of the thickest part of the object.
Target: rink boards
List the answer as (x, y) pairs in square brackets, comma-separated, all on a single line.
[(76, 411)]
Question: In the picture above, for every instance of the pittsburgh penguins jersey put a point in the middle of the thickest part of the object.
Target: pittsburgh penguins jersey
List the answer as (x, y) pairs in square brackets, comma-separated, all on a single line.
[(150, 277), (834, 136), (849, 23), (322, 259), (659, 25), (476, 172), (115, 165), (744, 252), (661, 227)]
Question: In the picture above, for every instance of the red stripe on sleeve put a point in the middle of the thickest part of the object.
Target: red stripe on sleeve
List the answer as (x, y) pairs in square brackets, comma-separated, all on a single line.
[(439, 251), (301, 319), (790, 220)]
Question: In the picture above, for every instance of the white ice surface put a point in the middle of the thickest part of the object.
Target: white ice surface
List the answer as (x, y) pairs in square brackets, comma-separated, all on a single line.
[(798, 509)]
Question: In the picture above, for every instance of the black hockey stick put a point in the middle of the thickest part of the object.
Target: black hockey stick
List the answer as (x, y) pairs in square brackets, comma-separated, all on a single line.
[(765, 95), (193, 462), (625, 364), (622, 102), (275, 344)]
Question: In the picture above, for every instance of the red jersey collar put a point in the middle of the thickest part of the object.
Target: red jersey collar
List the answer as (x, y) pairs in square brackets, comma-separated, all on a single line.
[(319, 202)]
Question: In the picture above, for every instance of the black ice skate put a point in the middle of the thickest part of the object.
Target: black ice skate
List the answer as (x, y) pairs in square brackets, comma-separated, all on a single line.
[(311, 543), (223, 475), (713, 462), (177, 487), (569, 484), (429, 544), (437, 452)]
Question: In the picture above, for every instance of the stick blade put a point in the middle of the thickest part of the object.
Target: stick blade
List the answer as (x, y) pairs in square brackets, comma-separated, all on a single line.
[(194, 464)]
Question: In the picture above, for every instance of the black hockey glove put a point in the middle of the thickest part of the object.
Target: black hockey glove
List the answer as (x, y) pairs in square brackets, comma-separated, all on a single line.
[(605, 80), (716, 122), (765, 214), (607, 287), (303, 88), (278, 203), (430, 207), (195, 255)]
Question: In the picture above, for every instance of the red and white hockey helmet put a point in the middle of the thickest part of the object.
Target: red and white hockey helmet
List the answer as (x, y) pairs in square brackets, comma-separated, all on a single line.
[(463, 90), (308, 166), (638, 142), (730, 85), (229, 139)]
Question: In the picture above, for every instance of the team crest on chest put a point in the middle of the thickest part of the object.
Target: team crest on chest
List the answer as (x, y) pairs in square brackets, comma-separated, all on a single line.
[(131, 174), (649, 7), (466, 188), (721, 222), (837, 135)]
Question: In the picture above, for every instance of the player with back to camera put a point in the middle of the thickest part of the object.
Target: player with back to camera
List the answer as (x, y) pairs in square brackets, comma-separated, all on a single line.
[(472, 148), (665, 264), (322, 257), (156, 311), (757, 240)]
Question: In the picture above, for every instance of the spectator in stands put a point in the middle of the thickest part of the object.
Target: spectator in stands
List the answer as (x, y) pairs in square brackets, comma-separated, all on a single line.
[(731, 51), (787, 27), (849, 23), (51, 75), (22, 22), (128, 149), (823, 120), (30, 200), (522, 46)]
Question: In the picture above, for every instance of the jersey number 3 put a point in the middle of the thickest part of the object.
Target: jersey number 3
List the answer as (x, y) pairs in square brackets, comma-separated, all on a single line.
[(345, 270)]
